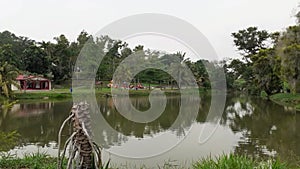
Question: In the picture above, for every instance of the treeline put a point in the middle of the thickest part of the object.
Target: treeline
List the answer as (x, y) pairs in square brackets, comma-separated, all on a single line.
[(56, 60), (53, 60), (270, 60)]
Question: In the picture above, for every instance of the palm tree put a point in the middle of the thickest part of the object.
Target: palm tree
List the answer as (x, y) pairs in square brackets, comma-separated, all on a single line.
[(83, 152), (8, 75)]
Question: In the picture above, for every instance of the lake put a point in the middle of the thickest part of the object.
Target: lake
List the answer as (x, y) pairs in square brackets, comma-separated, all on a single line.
[(249, 125)]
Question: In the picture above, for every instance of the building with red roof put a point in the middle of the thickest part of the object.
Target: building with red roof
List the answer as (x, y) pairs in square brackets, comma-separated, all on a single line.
[(32, 83)]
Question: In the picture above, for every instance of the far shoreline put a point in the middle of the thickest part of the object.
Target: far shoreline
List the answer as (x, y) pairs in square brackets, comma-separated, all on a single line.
[(284, 99)]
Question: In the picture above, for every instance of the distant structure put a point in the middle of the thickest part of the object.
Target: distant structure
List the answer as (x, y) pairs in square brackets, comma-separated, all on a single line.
[(32, 83)]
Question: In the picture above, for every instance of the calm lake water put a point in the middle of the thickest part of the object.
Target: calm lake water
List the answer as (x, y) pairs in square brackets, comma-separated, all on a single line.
[(249, 125)]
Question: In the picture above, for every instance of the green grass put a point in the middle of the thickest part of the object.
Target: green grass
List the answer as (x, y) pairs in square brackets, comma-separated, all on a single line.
[(8, 140), (57, 94), (287, 99), (237, 162), (33, 161), (52, 94), (43, 161)]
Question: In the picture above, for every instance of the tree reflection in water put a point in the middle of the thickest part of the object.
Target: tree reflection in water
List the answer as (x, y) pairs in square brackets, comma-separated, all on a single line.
[(165, 122), (36, 122), (267, 128)]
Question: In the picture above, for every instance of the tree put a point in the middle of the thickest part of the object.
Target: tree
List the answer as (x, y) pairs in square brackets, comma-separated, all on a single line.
[(8, 75), (200, 73), (265, 69), (13, 47), (112, 56), (289, 49), (82, 38), (61, 59), (138, 48), (229, 75), (75, 47), (36, 60), (125, 52), (8, 55), (298, 17), (250, 41), (291, 66), (240, 72)]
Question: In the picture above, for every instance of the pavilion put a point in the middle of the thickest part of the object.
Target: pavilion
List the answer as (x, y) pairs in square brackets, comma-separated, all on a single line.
[(32, 83)]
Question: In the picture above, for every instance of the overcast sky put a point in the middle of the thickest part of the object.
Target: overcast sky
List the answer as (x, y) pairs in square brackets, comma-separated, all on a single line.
[(216, 19)]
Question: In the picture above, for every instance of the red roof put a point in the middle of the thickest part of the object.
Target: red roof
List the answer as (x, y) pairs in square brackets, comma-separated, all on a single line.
[(25, 77)]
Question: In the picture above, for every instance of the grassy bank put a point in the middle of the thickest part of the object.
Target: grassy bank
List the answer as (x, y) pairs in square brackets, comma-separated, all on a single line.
[(53, 94), (287, 99), (239, 162), (65, 93), (42, 161), (35, 161)]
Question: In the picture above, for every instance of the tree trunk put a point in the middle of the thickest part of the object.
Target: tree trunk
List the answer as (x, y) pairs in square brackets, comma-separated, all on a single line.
[(83, 152), (82, 139)]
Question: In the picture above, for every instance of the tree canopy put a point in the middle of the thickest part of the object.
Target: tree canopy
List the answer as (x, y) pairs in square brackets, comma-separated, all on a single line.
[(270, 60)]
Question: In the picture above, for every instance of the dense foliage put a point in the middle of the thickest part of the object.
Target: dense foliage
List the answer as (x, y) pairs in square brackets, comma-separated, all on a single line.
[(270, 61)]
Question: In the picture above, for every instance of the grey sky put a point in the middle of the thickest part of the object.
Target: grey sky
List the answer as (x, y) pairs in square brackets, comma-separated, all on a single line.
[(216, 19)]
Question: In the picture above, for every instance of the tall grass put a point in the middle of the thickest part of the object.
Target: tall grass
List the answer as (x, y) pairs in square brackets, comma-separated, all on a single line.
[(43, 161), (34, 161), (237, 162)]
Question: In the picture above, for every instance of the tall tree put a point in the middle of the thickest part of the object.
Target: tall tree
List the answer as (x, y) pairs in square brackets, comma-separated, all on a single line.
[(266, 71), (114, 52), (14, 46), (36, 60), (249, 41), (291, 66), (200, 73), (289, 50), (61, 59)]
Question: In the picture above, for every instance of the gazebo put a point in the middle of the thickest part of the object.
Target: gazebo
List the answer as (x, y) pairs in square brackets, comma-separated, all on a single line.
[(32, 83)]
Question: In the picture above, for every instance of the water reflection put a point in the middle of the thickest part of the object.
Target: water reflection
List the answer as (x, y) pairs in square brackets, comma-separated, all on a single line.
[(140, 130), (222, 142), (248, 125), (166, 131), (268, 129), (26, 110), (36, 122)]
